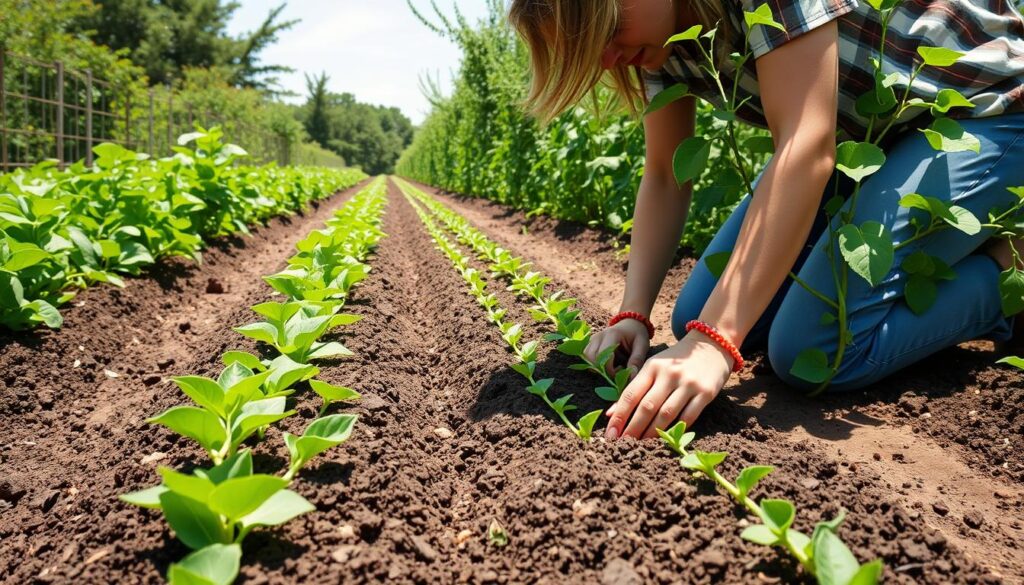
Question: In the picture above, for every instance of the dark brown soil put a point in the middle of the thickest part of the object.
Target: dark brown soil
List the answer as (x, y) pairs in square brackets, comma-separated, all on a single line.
[(936, 432), (447, 442)]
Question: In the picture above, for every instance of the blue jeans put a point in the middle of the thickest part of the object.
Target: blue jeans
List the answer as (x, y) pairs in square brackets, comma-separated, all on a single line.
[(887, 335)]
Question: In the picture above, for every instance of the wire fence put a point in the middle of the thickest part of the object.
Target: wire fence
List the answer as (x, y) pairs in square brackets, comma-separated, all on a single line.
[(49, 111)]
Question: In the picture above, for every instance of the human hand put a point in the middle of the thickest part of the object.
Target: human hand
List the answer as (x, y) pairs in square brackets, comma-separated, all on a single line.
[(675, 384), (631, 338)]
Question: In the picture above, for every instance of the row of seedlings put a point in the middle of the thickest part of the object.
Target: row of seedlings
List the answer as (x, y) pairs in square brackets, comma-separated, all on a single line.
[(212, 510), (61, 231), (823, 555), (511, 332), (571, 331)]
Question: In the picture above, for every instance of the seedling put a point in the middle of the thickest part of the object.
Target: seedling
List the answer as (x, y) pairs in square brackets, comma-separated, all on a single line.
[(216, 564), (822, 554), (293, 328), (230, 409), (496, 534)]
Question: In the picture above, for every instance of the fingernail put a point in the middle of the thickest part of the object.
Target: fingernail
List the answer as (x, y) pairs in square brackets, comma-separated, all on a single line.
[(611, 434)]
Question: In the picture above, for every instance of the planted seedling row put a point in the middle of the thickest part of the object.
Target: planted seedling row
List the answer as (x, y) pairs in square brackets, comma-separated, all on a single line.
[(823, 555), (571, 331), (64, 230), (511, 332), (212, 510)]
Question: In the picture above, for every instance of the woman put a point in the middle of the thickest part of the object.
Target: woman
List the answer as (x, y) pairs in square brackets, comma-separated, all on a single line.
[(802, 85)]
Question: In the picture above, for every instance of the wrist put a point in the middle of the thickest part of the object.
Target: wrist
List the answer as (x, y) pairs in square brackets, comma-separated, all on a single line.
[(634, 316), (723, 343)]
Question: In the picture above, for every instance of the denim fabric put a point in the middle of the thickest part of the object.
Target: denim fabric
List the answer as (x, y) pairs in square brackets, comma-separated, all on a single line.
[(887, 335)]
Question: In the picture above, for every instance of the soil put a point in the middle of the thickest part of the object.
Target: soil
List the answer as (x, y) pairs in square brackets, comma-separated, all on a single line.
[(448, 442)]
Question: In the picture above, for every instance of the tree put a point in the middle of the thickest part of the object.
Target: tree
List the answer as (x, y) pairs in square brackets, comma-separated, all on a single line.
[(317, 123), (169, 36)]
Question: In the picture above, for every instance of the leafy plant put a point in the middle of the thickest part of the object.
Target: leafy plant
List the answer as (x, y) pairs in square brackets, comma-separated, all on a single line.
[(823, 554), (293, 329)]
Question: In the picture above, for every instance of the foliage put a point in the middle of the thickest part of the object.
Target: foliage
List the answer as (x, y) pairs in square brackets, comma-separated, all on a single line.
[(586, 166), (822, 555), (212, 510), (61, 230), (171, 37), (369, 137)]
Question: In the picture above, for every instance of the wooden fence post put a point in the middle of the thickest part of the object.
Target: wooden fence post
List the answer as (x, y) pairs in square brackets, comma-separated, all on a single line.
[(3, 112), (59, 130), (88, 117), (151, 152)]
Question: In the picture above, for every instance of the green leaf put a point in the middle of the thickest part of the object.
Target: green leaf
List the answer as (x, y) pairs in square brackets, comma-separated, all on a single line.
[(920, 292), (216, 564), (827, 318), (1011, 291), (278, 509), (200, 425), (689, 34), (948, 135), (666, 97), (760, 534), (607, 393), (868, 250), (323, 434), (525, 370), (939, 56), (778, 515), (811, 365), (858, 160), (256, 414), (147, 498), (191, 486), (235, 498), (717, 262), (947, 99), (25, 258), (759, 145), (963, 220), (586, 424), (761, 15), (237, 465), (331, 393), (834, 564), (573, 347), (868, 574), (243, 357), (540, 388), (261, 331), (1014, 361), (690, 158), (204, 392), (193, 522), (749, 477), (328, 350)]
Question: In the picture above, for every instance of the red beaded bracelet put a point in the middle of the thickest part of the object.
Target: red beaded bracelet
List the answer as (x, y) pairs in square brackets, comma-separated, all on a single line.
[(636, 316), (720, 340)]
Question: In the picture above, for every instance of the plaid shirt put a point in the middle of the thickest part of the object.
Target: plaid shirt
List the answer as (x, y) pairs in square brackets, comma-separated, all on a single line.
[(990, 32)]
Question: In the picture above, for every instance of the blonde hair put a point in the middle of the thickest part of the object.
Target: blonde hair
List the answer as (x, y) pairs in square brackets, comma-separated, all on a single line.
[(566, 39)]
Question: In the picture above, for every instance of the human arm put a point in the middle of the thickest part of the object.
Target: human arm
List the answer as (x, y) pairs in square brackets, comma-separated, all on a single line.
[(658, 220), (799, 92)]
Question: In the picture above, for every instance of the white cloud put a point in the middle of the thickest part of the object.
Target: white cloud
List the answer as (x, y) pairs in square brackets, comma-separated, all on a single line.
[(374, 49)]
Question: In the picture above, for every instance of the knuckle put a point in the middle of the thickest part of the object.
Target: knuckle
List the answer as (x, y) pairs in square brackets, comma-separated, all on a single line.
[(648, 406), (667, 412)]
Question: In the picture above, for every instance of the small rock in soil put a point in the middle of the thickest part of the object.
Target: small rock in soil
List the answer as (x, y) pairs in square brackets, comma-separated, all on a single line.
[(343, 553), (166, 363), (49, 500), (877, 456), (151, 380), (9, 493), (423, 548), (443, 433), (974, 519), (620, 572), (713, 558), (214, 287), (184, 326), (940, 508), (810, 483), (347, 531), (489, 576), (898, 457)]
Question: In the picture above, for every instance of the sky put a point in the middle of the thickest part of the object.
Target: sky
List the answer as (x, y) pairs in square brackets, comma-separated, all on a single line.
[(375, 49)]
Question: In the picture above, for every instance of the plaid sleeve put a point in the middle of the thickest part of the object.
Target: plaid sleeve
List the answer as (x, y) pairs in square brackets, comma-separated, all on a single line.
[(796, 17), (654, 82)]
